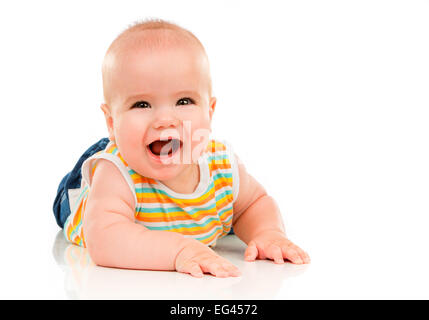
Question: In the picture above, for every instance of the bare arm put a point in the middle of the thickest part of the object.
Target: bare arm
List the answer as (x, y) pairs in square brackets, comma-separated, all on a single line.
[(258, 222), (254, 210), (113, 238)]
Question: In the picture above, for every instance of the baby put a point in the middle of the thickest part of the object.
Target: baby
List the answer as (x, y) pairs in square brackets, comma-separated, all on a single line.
[(159, 192)]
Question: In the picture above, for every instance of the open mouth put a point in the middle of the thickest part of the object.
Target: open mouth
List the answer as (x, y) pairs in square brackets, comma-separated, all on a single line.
[(165, 148)]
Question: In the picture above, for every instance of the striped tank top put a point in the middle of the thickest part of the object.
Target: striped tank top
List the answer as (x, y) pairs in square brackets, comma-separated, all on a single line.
[(204, 215)]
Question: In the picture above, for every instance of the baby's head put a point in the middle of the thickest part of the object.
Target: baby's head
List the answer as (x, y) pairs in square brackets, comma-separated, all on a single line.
[(158, 100)]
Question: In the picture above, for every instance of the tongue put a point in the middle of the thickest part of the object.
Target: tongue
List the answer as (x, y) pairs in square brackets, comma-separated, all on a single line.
[(158, 146)]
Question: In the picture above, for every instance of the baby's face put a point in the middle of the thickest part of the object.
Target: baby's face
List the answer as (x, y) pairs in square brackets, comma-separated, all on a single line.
[(160, 109)]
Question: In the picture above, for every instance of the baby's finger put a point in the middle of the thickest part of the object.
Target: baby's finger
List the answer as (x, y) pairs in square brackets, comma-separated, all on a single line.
[(216, 269), (231, 269), (196, 271), (275, 253), (213, 265), (290, 253), (192, 268), (251, 252), (304, 256)]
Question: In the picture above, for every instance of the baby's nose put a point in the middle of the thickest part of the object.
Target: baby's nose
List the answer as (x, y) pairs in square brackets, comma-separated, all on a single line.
[(165, 120)]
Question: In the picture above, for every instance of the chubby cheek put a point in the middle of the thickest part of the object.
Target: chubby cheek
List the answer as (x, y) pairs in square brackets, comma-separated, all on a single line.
[(129, 134), (196, 136)]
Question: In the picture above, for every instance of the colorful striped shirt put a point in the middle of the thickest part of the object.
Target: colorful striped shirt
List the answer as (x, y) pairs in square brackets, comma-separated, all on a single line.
[(205, 215)]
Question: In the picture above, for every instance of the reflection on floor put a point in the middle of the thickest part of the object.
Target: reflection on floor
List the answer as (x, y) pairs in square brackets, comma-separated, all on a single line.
[(85, 280)]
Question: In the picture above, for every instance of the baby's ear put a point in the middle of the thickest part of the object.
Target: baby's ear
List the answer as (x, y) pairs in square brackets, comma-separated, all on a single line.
[(212, 106), (109, 120)]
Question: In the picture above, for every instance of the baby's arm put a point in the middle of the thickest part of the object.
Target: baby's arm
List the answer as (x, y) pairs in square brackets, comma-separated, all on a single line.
[(113, 238), (257, 221)]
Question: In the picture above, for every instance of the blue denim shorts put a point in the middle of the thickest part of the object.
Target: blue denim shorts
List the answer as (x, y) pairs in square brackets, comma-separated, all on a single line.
[(72, 180)]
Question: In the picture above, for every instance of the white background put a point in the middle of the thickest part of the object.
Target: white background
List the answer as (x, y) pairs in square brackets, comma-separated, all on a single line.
[(326, 102)]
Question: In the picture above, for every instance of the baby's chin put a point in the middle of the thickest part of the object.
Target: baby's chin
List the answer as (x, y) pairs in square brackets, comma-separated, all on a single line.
[(165, 173)]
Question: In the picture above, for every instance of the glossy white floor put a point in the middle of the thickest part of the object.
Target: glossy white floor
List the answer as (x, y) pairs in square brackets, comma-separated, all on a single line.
[(365, 260), (339, 270), (84, 280)]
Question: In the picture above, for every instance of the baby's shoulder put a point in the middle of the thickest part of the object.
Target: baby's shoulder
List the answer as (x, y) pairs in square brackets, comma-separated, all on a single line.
[(108, 182)]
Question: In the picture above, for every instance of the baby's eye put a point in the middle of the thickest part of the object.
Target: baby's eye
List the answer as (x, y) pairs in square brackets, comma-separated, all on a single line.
[(141, 104), (185, 101)]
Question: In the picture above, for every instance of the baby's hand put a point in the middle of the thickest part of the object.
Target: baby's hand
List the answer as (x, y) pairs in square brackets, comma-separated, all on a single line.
[(275, 246), (196, 258)]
